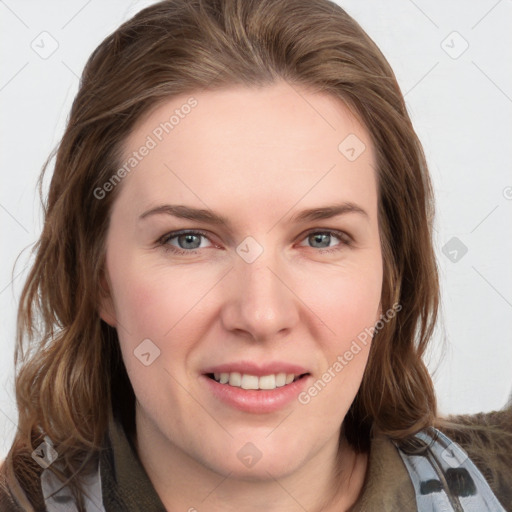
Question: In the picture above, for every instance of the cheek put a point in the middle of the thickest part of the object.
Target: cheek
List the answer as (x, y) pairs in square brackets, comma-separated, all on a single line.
[(160, 303), (347, 300), (349, 306), (144, 306), (152, 304), (151, 299)]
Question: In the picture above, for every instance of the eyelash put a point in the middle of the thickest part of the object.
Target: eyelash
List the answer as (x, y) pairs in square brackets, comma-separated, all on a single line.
[(345, 241)]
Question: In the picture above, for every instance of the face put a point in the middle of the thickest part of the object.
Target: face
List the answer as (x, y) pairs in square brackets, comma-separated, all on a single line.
[(243, 246)]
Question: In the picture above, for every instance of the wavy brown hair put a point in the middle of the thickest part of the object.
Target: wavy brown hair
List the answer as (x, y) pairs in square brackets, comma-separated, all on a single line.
[(70, 374)]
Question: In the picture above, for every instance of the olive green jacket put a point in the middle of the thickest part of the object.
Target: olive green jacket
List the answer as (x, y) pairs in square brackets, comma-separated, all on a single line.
[(125, 486)]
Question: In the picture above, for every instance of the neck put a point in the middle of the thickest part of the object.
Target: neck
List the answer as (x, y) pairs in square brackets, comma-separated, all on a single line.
[(330, 481)]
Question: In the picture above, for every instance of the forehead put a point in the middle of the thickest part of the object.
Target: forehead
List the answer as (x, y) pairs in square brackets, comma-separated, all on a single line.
[(241, 146)]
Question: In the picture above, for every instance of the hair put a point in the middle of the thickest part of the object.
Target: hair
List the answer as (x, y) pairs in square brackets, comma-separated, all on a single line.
[(70, 374)]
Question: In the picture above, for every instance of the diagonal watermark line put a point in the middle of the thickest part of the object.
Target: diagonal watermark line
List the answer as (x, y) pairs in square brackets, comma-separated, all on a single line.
[(279, 424), (299, 94), (118, 323), (300, 199), (492, 286), (13, 279), (286, 491), (488, 215), (96, 96), (486, 14), (70, 69), (76, 14), (170, 170), (94, 502), (14, 76), (424, 14), (198, 402), (301, 300), (97, 507), (422, 78), (216, 487), (491, 80), (13, 218), (13, 422), (205, 294), (215, 77), (3, 3)]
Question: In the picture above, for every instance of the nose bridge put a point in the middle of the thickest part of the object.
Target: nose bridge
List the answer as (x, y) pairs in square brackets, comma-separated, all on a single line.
[(260, 303), (260, 282)]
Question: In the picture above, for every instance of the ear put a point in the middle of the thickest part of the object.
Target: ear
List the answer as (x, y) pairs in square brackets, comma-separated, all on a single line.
[(106, 308)]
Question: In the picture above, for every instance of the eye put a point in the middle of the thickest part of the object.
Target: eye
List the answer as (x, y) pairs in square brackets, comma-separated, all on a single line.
[(187, 242), (326, 241), (183, 242)]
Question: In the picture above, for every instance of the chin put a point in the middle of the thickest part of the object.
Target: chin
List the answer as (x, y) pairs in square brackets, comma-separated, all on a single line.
[(256, 460)]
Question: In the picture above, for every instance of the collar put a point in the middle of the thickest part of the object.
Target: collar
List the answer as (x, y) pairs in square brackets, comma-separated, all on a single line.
[(125, 484), (387, 486)]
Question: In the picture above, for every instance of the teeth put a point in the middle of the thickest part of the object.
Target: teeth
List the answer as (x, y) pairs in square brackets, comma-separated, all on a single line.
[(249, 382), (246, 381), (267, 382), (235, 379), (280, 379)]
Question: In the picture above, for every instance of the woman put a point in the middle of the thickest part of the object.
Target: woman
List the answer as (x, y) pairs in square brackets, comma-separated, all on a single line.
[(235, 282)]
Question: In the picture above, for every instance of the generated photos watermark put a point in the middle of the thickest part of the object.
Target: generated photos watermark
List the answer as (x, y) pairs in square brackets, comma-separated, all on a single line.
[(45, 454), (344, 359), (151, 142)]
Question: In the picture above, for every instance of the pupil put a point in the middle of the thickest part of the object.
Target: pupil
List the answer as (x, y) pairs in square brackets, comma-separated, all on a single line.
[(321, 238), (188, 242)]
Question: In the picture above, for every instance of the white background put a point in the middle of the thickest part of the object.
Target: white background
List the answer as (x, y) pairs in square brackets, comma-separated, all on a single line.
[(461, 108)]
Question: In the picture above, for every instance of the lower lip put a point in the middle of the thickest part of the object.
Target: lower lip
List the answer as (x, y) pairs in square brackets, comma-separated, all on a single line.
[(256, 401)]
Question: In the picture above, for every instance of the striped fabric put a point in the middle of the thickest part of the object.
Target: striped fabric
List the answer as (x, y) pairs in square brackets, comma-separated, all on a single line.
[(443, 476)]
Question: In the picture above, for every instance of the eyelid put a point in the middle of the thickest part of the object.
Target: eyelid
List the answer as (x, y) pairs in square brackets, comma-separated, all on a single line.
[(174, 234), (344, 238)]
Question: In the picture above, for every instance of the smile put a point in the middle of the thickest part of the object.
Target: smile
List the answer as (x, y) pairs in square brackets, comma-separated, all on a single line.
[(247, 381)]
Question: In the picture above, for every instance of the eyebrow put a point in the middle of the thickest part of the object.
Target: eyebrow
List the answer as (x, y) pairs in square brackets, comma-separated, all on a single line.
[(210, 217)]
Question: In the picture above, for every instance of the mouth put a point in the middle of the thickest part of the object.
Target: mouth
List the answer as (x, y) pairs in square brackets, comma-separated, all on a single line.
[(256, 388), (254, 382)]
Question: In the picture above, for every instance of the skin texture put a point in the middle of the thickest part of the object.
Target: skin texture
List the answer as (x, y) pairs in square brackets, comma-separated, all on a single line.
[(257, 157)]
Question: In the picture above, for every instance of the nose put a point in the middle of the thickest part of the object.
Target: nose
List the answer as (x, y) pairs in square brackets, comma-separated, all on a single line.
[(260, 300)]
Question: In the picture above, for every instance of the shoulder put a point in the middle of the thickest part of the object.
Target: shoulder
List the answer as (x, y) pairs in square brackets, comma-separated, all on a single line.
[(20, 488), (487, 439), (7, 501)]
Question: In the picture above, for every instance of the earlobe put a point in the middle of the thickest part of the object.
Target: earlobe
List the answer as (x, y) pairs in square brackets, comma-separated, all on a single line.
[(106, 308)]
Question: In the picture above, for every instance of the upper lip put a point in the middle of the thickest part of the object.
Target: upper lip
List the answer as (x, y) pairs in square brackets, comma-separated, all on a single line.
[(252, 368)]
